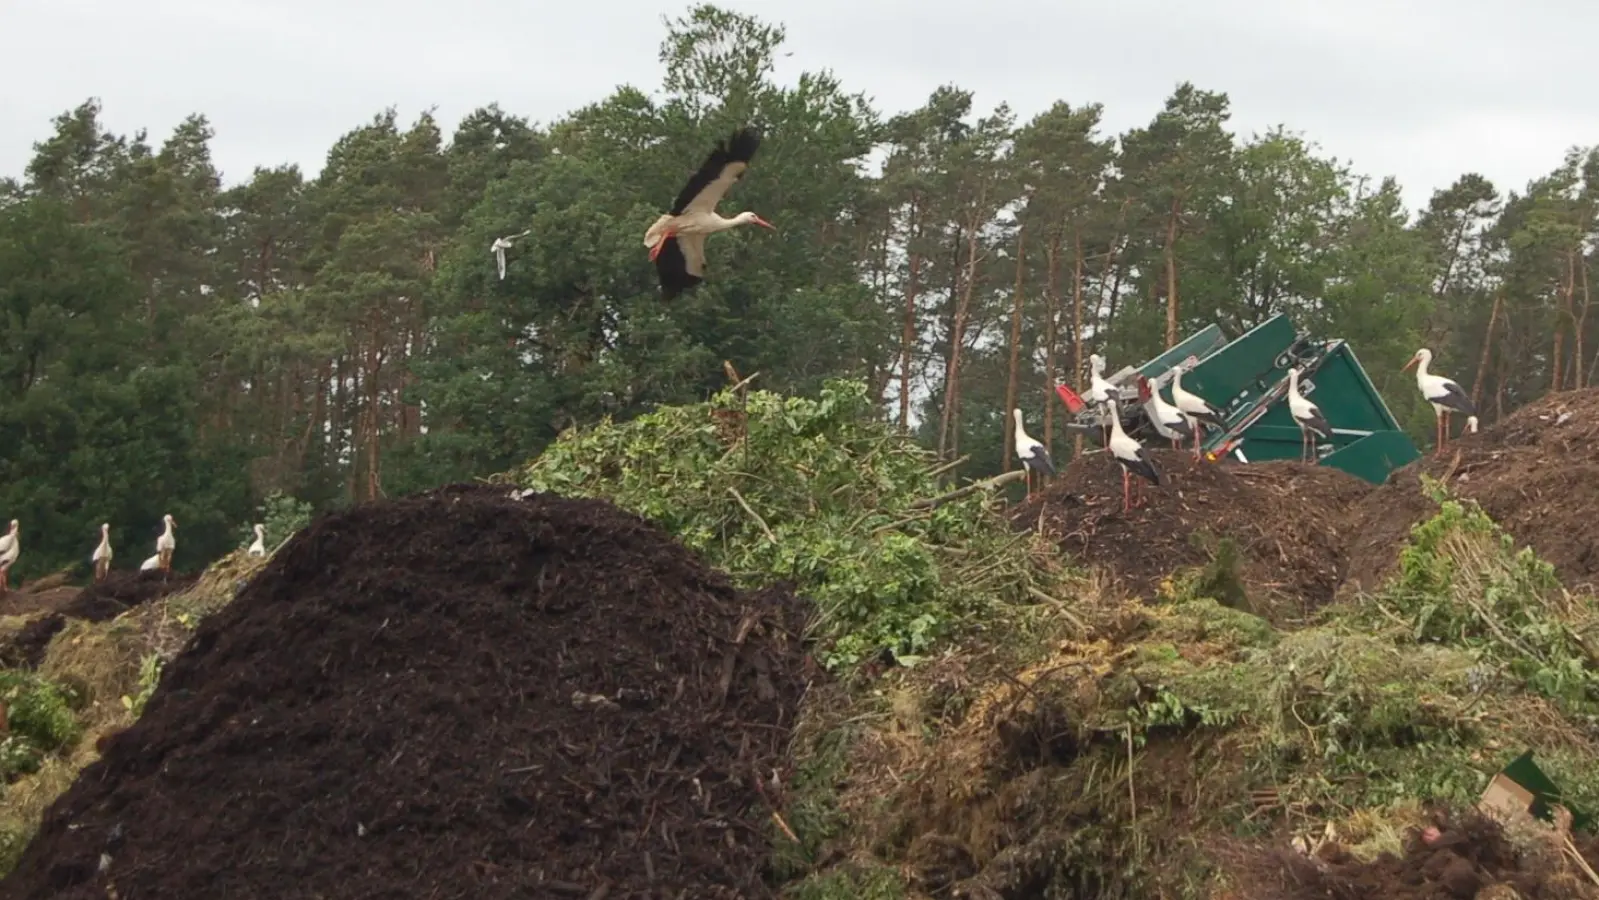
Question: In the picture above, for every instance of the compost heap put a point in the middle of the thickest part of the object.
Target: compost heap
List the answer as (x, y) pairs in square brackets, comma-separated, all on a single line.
[(454, 695), (1470, 858), (99, 602), (1536, 474), (1288, 521)]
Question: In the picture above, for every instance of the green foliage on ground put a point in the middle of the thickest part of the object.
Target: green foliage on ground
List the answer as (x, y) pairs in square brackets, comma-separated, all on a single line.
[(41, 720), (817, 491), (1219, 725)]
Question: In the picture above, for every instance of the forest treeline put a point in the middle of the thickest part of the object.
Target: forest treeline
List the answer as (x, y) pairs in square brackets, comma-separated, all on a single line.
[(171, 345)]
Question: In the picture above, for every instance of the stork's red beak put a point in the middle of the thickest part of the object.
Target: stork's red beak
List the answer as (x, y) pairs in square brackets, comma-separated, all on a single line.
[(764, 224), (1409, 364)]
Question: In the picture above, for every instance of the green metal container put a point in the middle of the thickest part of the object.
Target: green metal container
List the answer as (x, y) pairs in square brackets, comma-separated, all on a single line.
[(1247, 380)]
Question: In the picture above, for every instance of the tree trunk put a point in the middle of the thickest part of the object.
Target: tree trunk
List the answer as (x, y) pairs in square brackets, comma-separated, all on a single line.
[(1077, 321), (1557, 355), (1487, 347), (1051, 304), (1171, 271), (908, 334), (1013, 377), (1581, 325), (958, 330)]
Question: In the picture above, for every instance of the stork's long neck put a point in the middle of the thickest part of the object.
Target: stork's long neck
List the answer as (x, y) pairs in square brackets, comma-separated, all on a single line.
[(167, 531), (1421, 371), (1293, 383), (1021, 433)]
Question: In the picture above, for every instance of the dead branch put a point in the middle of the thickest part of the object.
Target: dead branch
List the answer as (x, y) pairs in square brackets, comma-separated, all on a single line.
[(974, 487)]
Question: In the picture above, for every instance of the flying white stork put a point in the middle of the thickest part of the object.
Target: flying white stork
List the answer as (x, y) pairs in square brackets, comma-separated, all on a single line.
[(1169, 421), (1308, 417), (1445, 396), (166, 543), (1033, 454), (1131, 455), (10, 549), (1193, 406), (102, 553), (677, 239), (258, 546), (502, 244)]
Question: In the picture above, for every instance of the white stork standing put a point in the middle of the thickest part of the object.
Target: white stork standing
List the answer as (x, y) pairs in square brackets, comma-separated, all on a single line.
[(1169, 421), (258, 546), (1033, 454), (1308, 417), (10, 549), (1131, 455), (166, 543), (1445, 396), (502, 244), (1099, 390), (677, 239), (1193, 406), (102, 553)]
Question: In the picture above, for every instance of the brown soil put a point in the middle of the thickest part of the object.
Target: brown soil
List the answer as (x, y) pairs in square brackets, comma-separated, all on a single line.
[(1289, 521), (1536, 478), (36, 600), (453, 695), (122, 591), (25, 649), (1471, 858)]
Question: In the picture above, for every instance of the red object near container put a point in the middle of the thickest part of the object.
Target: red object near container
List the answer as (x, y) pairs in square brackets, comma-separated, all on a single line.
[(1070, 398)]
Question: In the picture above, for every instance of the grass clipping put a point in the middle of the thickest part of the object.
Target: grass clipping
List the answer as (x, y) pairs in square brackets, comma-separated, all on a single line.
[(1144, 761), (106, 671), (814, 491)]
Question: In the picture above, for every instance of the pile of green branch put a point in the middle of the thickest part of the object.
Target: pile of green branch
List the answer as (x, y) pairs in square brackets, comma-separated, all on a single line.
[(817, 491)]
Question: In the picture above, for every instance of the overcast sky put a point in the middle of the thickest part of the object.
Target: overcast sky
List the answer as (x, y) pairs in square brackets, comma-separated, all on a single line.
[(1420, 89)]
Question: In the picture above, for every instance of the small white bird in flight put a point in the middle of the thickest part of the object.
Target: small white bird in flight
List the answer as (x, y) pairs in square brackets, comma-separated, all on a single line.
[(502, 244)]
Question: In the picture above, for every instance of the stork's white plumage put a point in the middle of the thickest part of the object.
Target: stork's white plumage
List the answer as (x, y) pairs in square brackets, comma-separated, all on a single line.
[(1445, 396), (1193, 406), (1130, 454), (677, 239), (1307, 416), (10, 549), (258, 546), (502, 244), (1099, 390), (1033, 454), (166, 543), (153, 562), (1169, 421), (102, 553)]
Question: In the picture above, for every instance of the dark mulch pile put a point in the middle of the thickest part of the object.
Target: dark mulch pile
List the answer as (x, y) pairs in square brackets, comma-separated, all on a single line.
[(25, 649), (1289, 521), (37, 599), (1536, 478), (1471, 858), (454, 695), (123, 590)]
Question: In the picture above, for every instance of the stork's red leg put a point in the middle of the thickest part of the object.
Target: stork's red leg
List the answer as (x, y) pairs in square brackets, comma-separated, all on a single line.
[(1127, 501)]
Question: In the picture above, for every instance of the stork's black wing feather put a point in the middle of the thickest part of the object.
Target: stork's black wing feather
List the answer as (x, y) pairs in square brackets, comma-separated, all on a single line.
[(1143, 466), (1317, 423), (1039, 460), (671, 267), (1455, 400), (740, 147)]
